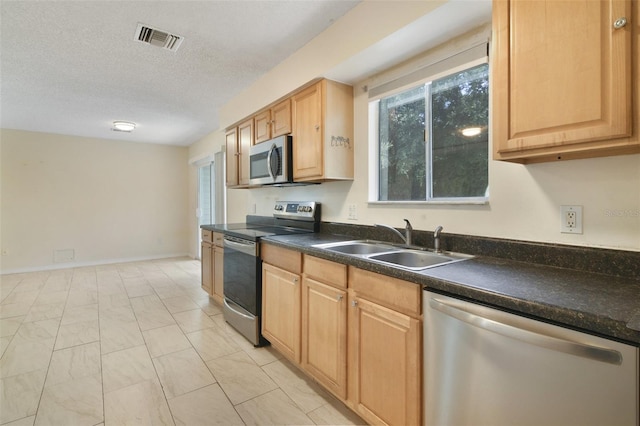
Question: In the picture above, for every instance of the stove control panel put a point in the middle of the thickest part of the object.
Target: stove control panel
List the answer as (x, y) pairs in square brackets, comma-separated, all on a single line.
[(298, 210)]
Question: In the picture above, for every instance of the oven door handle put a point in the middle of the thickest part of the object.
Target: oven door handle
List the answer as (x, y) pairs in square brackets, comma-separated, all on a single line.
[(228, 304), (249, 249)]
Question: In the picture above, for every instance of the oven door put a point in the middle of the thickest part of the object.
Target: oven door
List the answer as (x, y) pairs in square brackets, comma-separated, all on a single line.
[(242, 273)]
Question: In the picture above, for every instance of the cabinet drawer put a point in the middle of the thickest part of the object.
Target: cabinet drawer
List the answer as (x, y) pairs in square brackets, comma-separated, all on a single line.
[(391, 292), (326, 271), (207, 235), (288, 260), (218, 239)]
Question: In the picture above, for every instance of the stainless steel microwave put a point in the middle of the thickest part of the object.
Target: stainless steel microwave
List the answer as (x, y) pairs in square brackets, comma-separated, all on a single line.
[(271, 162)]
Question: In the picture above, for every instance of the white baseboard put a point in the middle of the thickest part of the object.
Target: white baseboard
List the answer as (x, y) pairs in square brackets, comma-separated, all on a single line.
[(71, 265)]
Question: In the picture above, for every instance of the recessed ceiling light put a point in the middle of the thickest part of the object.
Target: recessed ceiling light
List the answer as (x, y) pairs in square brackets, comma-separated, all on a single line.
[(123, 126), (471, 131)]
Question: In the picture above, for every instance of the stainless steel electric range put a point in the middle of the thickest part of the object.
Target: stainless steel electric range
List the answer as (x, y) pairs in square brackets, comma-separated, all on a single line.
[(243, 266)]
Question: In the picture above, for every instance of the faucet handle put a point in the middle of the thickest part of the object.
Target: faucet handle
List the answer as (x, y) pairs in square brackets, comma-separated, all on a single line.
[(408, 226)]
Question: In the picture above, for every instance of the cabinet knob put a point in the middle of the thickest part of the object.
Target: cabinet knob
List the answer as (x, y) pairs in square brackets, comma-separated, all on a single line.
[(354, 303), (317, 127), (619, 23), (339, 297), (295, 280)]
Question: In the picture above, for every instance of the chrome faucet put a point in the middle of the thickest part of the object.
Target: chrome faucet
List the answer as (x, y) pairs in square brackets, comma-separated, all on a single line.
[(436, 239), (407, 237)]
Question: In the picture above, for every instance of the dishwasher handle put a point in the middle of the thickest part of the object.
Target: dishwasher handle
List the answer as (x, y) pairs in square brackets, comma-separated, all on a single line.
[(465, 312), (246, 247)]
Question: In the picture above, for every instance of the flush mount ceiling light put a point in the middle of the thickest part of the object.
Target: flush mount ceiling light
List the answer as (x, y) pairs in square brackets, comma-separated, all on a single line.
[(123, 126), (471, 131)]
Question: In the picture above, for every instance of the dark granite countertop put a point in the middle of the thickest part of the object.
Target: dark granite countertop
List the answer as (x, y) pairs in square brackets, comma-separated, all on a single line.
[(600, 304)]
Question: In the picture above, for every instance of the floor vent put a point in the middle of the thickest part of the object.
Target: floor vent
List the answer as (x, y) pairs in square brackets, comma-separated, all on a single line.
[(158, 38)]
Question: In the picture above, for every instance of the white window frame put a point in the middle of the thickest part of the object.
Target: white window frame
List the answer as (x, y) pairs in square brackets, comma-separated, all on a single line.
[(427, 74)]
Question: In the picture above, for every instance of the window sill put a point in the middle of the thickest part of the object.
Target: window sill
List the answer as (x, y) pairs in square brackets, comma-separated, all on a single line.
[(471, 201)]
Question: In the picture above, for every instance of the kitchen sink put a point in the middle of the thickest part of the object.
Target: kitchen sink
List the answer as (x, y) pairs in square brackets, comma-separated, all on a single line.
[(358, 247), (406, 258), (417, 260)]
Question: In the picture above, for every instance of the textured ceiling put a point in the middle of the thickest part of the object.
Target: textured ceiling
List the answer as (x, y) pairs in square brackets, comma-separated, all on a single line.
[(73, 67)]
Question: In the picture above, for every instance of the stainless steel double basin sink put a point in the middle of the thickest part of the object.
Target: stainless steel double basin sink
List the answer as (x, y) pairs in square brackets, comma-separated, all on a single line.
[(405, 258)]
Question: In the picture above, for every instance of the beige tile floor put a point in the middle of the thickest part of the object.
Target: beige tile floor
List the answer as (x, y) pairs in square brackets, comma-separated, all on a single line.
[(140, 344)]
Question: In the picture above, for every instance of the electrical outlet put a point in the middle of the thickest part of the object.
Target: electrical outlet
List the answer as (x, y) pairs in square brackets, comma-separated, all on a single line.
[(353, 212), (571, 219)]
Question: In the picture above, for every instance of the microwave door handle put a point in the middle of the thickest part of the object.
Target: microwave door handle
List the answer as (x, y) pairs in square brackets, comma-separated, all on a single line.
[(269, 168)]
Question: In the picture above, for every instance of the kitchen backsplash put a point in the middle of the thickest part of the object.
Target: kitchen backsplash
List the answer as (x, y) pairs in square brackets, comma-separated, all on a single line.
[(604, 261)]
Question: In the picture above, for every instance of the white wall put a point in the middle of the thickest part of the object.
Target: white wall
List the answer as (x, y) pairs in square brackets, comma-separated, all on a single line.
[(524, 201), (107, 200)]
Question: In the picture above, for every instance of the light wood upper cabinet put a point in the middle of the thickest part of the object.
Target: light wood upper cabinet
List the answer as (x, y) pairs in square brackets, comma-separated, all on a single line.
[(238, 143), (245, 140), (281, 119), (273, 122), (324, 323), (323, 132), (262, 122), (562, 79), (232, 157)]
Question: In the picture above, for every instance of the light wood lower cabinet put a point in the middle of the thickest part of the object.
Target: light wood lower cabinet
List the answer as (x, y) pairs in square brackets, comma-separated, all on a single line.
[(218, 274), (357, 333), (206, 250), (385, 348), (324, 323), (281, 310), (212, 264), (384, 364)]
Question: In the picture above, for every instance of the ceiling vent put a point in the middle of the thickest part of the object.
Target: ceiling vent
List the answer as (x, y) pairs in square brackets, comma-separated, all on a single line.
[(159, 38)]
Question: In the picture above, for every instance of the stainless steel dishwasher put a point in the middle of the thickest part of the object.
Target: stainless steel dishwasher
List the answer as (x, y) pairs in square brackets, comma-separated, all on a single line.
[(484, 366)]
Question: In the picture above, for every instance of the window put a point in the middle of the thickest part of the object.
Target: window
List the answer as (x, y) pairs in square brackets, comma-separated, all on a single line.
[(432, 138)]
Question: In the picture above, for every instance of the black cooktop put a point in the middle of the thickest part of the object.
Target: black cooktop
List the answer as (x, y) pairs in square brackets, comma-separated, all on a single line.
[(255, 234), (257, 227)]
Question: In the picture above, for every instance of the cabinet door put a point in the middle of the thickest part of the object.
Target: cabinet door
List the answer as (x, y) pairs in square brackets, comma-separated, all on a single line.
[(218, 274), (232, 157), (281, 310), (262, 123), (324, 335), (561, 76), (281, 119), (307, 133), (245, 136), (384, 364), (207, 267)]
